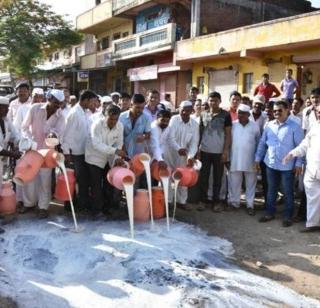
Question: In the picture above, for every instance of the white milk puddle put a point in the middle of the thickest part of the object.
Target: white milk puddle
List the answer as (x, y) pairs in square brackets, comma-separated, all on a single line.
[(42, 266)]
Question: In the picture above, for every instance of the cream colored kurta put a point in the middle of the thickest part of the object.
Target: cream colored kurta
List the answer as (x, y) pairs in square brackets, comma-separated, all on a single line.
[(182, 136), (310, 147), (10, 135), (244, 144)]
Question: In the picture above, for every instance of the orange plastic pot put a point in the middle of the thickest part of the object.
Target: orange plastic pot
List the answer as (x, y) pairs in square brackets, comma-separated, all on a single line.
[(61, 192), (118, 176), (51, 158), (141, 207), (28, 167), (7, 199), (156, 172), (188, 176), (136, 164), (158, 204)]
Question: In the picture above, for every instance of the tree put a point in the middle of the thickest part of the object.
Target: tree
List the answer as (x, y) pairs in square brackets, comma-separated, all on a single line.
[(30, 30)]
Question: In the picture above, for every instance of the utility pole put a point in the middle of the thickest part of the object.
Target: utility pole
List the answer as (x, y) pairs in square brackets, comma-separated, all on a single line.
[(195, 18)]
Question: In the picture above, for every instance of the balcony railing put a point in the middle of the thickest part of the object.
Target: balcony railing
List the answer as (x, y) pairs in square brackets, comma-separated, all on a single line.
[(145, 42), (97, 59), (119, 5), (98, 14)]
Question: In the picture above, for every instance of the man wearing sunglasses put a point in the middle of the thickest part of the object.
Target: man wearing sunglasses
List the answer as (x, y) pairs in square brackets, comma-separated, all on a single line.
[(280, 137)]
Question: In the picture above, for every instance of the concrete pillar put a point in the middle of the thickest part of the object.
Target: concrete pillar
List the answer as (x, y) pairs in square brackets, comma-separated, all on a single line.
[(195, 18)]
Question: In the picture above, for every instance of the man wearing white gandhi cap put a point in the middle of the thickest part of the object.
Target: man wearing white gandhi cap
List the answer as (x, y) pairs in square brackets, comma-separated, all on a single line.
[(115, 97), (182, 145), (37, 95), (245, 138), (41, 120)]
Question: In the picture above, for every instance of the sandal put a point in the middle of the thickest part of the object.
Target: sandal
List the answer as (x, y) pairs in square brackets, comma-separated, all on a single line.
[(266, 218)]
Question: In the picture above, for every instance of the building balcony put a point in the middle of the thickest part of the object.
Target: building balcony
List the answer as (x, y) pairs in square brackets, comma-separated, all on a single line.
[(97, 60), (143, 43), (120, 6), (98, 19)]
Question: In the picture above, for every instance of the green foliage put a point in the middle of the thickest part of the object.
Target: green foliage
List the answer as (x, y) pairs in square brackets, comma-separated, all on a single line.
[(29, 30)]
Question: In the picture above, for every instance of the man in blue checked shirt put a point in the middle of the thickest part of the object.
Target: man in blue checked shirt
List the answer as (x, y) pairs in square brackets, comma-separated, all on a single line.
[(280, 137), (137, 126)]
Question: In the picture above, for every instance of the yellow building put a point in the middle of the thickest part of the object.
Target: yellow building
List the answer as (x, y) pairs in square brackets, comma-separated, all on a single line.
[(236, 59)]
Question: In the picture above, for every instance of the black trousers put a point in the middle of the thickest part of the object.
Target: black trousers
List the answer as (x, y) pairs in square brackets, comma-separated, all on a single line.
[(111, 195), (81, 171), (263, 169), (96, 178), (208, 160)]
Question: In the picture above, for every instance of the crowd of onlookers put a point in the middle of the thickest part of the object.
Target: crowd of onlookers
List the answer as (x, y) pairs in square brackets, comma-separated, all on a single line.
[(273, 136)]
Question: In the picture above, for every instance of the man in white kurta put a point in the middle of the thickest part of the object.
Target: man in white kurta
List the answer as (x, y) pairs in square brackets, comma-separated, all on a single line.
[(41, 120), (103, 148), (74, 144), (245, 138), (23, 93), (159, 135), (310, 147), (21, 113), (7, 134), (183, 144)]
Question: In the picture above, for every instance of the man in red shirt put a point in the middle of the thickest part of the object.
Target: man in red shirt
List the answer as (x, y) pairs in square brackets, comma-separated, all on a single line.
[(267, 89)]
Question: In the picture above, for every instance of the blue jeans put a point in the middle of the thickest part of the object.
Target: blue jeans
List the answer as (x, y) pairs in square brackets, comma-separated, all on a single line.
[(286, 179)]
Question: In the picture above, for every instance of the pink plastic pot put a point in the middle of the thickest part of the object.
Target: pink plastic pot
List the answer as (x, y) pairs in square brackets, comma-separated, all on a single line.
[(118, 176), (28, 167), (7, 199), (51, 158), (61, 192), (157, 173), (141, 206), (188, 176), (136, 165)]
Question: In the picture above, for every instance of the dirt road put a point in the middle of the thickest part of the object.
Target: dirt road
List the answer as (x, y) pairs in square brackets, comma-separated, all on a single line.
[(287, 256)]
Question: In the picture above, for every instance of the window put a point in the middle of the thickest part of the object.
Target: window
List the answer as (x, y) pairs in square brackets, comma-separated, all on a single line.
[(56, 56), (105, 43), (247, 82), (98, 45), (116, 36), (125, 34), (98, 2), (67, 53), (200, 84)]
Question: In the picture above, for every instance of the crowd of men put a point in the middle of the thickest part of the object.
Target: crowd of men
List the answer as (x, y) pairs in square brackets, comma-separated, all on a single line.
[(274, 134)]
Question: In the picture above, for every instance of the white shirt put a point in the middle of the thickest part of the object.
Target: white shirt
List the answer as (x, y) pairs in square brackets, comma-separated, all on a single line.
[(158, 141), (103, 143), (65, 111), (20, 116), (11, 134), (76, 132), (37, 127), (14, 106), (308, 118), (260, 121), (196, 118), (183, 136), (245, 140), (310, 147)]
